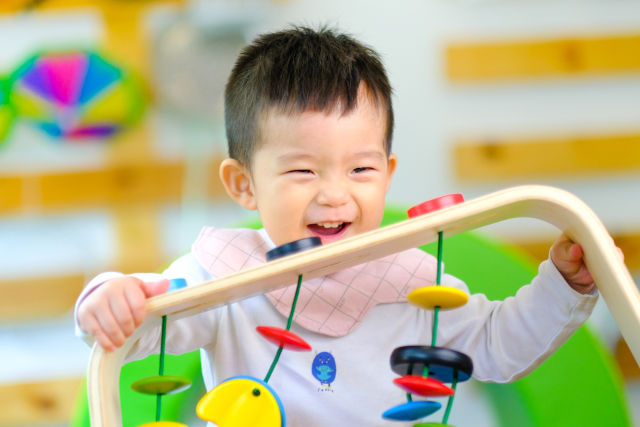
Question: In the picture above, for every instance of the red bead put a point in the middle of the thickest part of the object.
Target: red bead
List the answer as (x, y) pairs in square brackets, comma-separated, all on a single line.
[(423, 386), (283, 338), (435, 204)]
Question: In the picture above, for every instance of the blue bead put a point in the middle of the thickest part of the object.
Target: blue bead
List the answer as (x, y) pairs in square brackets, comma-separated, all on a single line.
[(412, 411), (178, 283)]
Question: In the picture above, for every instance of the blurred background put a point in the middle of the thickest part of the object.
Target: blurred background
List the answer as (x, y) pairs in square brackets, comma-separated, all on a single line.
[(111, 129)]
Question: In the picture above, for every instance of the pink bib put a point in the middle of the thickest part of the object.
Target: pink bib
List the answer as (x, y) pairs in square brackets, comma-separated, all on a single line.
[(332, 305)]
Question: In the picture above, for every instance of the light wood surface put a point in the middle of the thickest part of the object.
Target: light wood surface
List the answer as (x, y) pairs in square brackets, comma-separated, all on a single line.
[(502, 60), (552, 205), (38, 403), (151, 182), (508, 158), (39, 297)]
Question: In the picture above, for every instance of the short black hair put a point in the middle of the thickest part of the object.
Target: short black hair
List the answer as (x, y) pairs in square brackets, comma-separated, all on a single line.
[(297, 70)]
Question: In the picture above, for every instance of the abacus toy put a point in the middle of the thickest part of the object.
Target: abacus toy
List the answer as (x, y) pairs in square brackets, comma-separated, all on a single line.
[(424, 370), (552, 205)]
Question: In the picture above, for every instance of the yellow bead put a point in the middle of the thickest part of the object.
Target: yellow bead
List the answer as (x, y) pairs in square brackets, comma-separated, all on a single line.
[(444, 297), (163, 424), (241, 402)]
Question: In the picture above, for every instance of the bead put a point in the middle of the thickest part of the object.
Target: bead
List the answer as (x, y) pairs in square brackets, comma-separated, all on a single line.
[(161, 384), (423, 386), (411, 411), (445, 297), (293, 247), (435, 204), (177, 283), (283, 338), (443, 364), (235, 402), (163, 424)]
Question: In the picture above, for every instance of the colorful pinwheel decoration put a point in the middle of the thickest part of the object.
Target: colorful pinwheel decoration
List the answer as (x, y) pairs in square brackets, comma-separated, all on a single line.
[(6, 110), (75, 95)]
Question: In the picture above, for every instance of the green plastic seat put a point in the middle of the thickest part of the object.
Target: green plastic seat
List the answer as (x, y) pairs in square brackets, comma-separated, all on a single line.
[(579, 385)]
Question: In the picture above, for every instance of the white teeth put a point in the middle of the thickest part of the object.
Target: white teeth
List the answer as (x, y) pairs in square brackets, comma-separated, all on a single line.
[(330, 224)]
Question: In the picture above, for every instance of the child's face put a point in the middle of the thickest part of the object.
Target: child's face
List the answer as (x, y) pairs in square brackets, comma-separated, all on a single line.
[(319, 174)]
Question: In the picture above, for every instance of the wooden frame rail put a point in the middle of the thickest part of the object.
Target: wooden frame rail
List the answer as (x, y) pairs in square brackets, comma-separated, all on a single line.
[(555, 206)]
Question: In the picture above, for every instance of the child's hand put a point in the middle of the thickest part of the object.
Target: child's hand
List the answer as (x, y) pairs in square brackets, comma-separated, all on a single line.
[(116, 308), (569, 260)]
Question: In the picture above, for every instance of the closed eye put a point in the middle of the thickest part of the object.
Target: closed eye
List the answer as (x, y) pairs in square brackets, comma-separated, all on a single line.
[(302, 171), (363, 169)]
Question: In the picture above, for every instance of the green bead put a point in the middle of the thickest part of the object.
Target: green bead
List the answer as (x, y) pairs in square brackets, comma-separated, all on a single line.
[(161, 384)]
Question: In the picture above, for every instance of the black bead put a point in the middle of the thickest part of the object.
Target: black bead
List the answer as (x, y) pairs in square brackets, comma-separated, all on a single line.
[(293, 247)]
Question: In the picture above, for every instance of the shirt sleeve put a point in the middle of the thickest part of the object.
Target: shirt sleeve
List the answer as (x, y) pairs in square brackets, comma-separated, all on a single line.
[(509, 339)]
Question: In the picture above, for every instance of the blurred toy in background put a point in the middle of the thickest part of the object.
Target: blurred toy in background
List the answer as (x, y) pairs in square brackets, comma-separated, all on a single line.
[(75, 95), (6, 110)]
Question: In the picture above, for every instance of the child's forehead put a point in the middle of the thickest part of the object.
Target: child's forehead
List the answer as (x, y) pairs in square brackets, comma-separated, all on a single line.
[(365, 107), (312, 124)]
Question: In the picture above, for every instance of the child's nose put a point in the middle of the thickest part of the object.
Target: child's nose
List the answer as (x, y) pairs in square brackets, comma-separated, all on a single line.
[(333, 193)]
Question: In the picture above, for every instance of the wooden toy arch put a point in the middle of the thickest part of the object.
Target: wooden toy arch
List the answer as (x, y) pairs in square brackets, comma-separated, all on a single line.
[(549, 204)]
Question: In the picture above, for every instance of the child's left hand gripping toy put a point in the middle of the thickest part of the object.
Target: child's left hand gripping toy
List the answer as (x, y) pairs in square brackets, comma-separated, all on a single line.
[(423, 370)]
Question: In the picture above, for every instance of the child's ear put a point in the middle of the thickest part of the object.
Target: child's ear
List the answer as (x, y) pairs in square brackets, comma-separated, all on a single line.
[(391, 168), (237, 181)]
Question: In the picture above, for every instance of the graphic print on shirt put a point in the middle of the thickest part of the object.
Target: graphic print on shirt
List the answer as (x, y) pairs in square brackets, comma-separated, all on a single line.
[(323, 368)]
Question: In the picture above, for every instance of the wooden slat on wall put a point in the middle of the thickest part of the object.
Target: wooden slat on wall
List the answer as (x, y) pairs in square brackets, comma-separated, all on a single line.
[(10, 193), (38, 297), (38, 403), (518, 59), (145, 183), (139, 232), (517, 158)]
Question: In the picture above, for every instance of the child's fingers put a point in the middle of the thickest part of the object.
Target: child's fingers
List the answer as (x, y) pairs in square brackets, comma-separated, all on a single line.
[(110, 327), (122, 314), (574, 252), (582, 276), (152, 289), (136, 300), (92, 327)]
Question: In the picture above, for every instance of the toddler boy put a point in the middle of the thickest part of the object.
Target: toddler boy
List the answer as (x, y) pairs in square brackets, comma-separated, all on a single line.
[(309, 124)]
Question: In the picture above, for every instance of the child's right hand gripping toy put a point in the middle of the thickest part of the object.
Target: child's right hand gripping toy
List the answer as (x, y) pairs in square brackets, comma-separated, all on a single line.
[(423, 370)]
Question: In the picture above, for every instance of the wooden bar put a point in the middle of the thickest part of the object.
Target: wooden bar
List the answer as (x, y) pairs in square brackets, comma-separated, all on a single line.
[(490, 61), (555, 206), (60, 292), (518, 158)]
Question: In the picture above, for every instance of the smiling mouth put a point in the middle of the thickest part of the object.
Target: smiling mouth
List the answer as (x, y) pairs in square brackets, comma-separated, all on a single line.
[(327, 228)]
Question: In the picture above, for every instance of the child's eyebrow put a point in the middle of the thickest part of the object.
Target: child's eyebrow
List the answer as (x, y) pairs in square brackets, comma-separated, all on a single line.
[(367, 154), (373, 154), (291, 157)]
